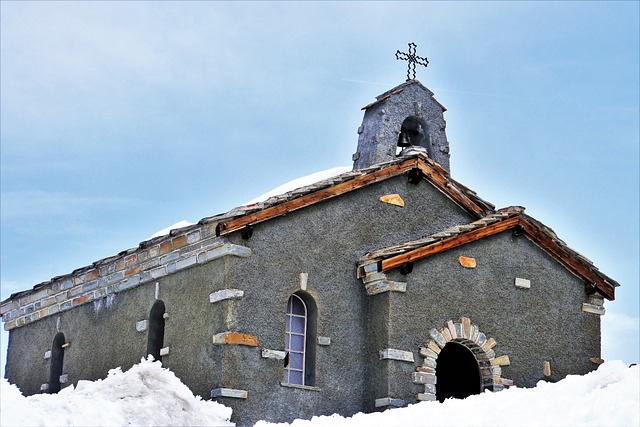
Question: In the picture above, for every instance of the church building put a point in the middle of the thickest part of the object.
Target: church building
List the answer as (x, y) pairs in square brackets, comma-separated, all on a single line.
[(381, 287)]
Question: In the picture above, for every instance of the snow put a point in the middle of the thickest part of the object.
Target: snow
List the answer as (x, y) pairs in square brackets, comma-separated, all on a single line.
[(284, 188), (609, 396), (165, 231), (301, 182), (148, 394)]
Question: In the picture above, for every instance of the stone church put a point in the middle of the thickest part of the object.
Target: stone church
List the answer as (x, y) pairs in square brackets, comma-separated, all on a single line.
[(380, 287)]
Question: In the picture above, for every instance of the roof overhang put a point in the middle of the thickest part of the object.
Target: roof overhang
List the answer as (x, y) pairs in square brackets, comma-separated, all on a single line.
[(419, 165), (511, 218)]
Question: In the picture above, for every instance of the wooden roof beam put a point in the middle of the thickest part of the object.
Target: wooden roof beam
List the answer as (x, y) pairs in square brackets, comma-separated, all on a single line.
[(446, 244), (531, 231), (226, 227)]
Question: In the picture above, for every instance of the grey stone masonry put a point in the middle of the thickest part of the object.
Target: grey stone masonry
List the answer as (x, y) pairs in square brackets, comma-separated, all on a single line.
[(151, 260), (383, 120)]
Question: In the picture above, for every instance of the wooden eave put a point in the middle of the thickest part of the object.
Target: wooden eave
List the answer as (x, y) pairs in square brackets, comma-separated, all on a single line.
[(560, 252), (431, 171)]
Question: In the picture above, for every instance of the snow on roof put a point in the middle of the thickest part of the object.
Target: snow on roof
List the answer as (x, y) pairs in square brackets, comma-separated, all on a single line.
[(284, 188), (301, 182)]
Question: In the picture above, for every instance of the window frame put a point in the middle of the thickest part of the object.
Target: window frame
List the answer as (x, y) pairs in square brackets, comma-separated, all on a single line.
[(289, 334)]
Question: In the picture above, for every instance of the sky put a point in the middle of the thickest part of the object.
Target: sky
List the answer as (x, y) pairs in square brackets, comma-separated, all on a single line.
[(121, 118)]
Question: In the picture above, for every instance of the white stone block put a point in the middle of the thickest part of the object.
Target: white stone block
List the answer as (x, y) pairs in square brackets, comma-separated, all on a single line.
[(379, 287), (426, 397), (324, 341), (273, 354), (47, 354), (389, 401), (395, 354), (593, 309), (523, 283), (229, 392), (164, 351), (141, 325), (225, 294), (64, 378), (44, 387)]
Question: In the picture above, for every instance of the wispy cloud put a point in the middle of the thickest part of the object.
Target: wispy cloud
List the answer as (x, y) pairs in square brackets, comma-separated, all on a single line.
[(38, 212)]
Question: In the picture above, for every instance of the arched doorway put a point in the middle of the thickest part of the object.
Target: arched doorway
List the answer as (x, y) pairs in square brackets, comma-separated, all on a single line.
[(457, 373), (459, 360)]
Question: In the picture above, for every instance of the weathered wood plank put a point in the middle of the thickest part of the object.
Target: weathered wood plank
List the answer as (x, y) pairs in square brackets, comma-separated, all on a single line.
[(443, 183), (545, 243), (444, 245)]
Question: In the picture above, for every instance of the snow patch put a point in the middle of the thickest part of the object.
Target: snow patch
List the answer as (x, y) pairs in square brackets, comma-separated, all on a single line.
[(148, 394), (301, 182), (609, 396), (165, 231), (145, 395)]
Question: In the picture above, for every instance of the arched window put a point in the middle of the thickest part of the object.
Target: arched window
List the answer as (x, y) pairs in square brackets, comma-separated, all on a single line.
[(155, 339), (300, 340), (57, 360)]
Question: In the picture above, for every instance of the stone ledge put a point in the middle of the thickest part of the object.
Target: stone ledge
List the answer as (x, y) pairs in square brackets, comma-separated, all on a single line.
[(229, 392), (225, 294), (593, 309), (395, 354), (301, 387), (272, 354), (382, 286), (389, 401), (426, 397), (235, 338)]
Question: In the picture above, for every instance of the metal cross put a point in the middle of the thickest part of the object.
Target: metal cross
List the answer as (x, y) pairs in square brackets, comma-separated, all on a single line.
[(413, 60)]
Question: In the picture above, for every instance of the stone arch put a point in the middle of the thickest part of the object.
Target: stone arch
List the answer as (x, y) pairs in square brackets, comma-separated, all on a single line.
[(479, 345)]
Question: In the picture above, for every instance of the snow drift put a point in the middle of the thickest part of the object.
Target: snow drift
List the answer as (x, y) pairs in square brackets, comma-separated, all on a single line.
[(148, 394), (145, 395)]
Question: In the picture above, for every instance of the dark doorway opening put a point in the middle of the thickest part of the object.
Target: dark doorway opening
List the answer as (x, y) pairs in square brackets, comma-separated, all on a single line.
[(57, 360), (155, 340), (457, 373)]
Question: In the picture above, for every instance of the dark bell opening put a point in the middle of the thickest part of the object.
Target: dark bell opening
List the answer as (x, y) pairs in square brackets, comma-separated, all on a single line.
[(457, 373), (411, 132)]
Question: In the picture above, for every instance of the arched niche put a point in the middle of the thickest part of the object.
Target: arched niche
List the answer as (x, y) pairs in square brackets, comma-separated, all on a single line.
[(57, 362), (155, 338)]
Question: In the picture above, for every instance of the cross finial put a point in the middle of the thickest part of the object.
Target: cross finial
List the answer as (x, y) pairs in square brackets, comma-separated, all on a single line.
[(413, 60)]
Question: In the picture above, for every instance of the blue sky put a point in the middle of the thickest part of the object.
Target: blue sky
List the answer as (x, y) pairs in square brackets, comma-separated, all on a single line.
[(121, 118)]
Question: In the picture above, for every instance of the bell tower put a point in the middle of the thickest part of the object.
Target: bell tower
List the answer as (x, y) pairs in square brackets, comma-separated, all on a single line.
[(407, 116)]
